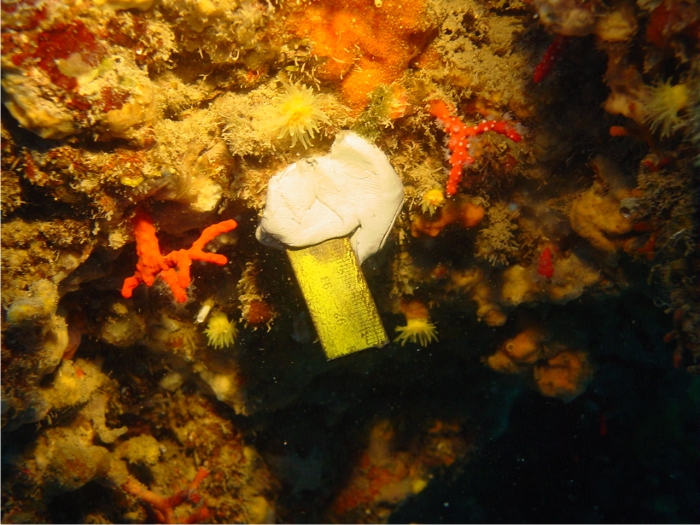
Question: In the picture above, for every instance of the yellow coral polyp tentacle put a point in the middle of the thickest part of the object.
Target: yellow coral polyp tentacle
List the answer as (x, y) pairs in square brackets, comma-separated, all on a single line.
[(220, 332), (420, 331), (298, 115), (663, 105)]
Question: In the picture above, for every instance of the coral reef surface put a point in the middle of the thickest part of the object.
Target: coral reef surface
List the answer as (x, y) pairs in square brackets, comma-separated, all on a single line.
[(539, 279)]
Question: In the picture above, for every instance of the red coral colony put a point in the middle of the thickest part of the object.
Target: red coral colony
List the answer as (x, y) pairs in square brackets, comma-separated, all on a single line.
[(460, 134), (173, 268)]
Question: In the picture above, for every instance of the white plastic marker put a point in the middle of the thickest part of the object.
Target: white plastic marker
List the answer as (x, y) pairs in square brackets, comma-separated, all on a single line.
[(323, 209)]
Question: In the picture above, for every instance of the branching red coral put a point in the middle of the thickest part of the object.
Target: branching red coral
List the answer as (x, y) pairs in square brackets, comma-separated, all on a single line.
[(173, 268), (545, 265), (550, 57), (164, 508), (459, 139)]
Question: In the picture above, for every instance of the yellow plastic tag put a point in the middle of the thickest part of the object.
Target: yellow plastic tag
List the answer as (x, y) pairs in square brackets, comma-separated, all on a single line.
[(335, 290)]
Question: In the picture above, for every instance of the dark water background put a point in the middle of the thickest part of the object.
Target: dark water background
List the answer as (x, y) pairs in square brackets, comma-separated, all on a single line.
[(626, 451)]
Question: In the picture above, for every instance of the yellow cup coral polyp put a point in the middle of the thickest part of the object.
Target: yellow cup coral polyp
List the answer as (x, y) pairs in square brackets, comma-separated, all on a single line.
[(432, 200), (220, 332), (418, 327), (663, 105), (298, 114)]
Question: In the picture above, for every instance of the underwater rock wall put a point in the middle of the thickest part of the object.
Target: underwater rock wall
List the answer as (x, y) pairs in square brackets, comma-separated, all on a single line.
[(159, 360)]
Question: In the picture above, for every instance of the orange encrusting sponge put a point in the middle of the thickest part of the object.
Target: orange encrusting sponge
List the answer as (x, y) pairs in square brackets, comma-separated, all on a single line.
[(364, 45)]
